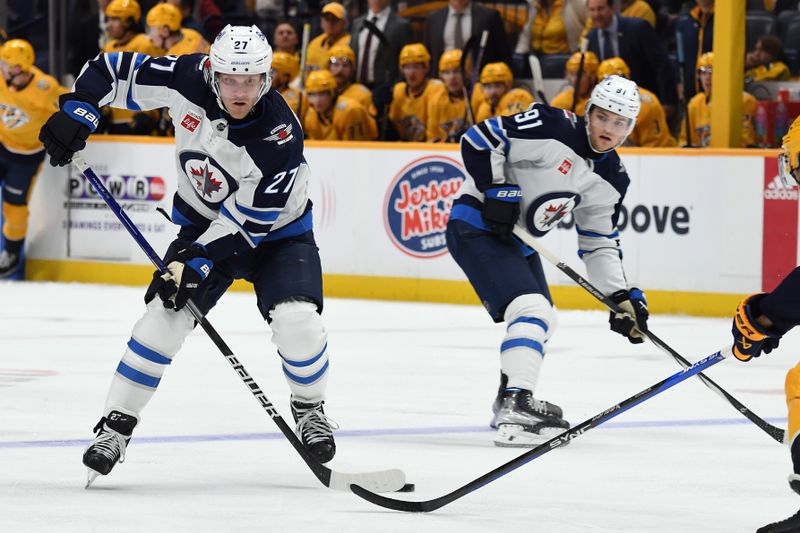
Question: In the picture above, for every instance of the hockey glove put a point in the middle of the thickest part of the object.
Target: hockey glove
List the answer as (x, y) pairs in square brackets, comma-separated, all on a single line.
[(185, 278), (66, 130), (632, 321), (501, 208), (749, 337)]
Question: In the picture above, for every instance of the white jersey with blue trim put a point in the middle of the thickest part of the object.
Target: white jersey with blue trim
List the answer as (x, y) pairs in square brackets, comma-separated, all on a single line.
[(239, 181), (545, 151)]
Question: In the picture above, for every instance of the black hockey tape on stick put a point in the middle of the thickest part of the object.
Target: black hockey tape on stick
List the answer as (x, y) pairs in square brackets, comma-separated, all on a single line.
[(584, 46)]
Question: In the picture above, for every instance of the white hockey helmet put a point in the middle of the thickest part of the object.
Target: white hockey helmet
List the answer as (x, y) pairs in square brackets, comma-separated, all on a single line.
[(618, 95), (239, 50)]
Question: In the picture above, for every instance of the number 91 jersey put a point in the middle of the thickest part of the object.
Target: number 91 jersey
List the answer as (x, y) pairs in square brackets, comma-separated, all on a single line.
[(240, 182), (545, 151)]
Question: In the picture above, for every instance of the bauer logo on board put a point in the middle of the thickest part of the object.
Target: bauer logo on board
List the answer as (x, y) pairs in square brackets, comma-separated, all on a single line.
[(417, 205)]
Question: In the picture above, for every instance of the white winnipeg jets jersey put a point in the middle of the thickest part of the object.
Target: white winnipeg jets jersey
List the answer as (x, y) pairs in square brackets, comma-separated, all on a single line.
[(240, 182), (545, 151)]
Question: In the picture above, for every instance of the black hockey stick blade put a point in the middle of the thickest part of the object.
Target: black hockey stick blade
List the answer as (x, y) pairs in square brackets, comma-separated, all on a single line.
[(427, 506)]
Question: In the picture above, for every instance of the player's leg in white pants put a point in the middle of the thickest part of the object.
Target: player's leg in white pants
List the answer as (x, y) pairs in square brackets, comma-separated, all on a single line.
[(155, 340), (530, 321)]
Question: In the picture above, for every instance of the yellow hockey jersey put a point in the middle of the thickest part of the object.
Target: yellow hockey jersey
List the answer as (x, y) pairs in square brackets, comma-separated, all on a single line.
[(317, 53), (409, 113), (651, 124), (513, 102), (362, 95), (447, 118), (563, 100), (700, 120), (22, 113), (192, 43), (775, 71), (350, 122), (140, 43), (297, 101)]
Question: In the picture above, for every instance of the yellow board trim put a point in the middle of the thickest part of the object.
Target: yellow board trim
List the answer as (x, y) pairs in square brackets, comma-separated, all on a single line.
[(389, 288)]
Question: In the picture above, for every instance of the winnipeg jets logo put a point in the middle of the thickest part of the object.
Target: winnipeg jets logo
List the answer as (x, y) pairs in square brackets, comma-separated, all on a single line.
[(546, 210), (208, 179), (281, 134), (204, 180)]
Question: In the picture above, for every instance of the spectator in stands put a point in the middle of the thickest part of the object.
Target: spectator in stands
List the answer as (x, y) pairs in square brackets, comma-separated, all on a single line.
[(187, 14), (411, 98), (501, 100), (553, 27), (28, 97), (285, 39), (696, 29), (125, 35), (285, 68), (635, 41), (630, 8), (332, 117), (166, 33), (448, 117), (764, 64), (342, 65), (566, 98), (334, 24), (651, 124), (377, 54), (700, 109), (453, 26)]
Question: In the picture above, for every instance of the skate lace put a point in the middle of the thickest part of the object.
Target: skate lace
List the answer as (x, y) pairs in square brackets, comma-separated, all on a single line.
[(316, 426), (539, 406), (109, 444)]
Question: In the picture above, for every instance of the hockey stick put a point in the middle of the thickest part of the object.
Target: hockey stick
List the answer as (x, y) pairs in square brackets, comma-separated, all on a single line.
[(476, 68), (556, 442), (381, 481), (774, 432), (536, 75), (684, 102)]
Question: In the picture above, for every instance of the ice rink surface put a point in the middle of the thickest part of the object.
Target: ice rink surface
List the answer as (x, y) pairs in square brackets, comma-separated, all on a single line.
[(411, 387)]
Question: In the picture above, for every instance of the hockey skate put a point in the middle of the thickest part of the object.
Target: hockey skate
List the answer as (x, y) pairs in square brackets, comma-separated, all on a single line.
[(315, 429), (498, 402), (790, 525), (523, 421), (108, 448), (9, 264)]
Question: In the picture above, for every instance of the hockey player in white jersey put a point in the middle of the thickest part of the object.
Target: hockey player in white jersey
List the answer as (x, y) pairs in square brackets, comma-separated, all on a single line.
[(533, 169), (243, 210)]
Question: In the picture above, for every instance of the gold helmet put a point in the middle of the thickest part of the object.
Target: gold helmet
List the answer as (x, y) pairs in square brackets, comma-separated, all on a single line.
[(17, 52), (450, 60), (590, 63), (414, 53), (613, 65), (342, 50), (124, 9), (286, 63), (706, 61), (789, 158), (497, 73), (321, 81), (165, 15)]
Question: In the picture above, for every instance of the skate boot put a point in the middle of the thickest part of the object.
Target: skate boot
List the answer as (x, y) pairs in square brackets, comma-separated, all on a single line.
[(9, 264), (790, 525), (523, 421), (315, 429), (108, 448), (498, 400)]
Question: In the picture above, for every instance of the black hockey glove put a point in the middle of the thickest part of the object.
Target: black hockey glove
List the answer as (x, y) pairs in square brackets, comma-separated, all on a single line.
[(187, 272), (749, 337), (632, 321), (66, 130), (501, 208)]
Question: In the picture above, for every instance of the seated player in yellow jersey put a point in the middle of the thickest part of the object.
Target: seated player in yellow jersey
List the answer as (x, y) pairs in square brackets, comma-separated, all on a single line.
[(763, 63), (448, 116), (28, 97), (566, 98), (651, 124), (501, 99), (285, 68), (164, 28), (699, 110), (125, 35), (342, 63), (332, 117), (411, 98), (334, 24)]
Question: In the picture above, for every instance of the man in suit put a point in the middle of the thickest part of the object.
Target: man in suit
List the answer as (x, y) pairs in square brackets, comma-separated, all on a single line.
[(377, 58), (453, 26), (635, 41)]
